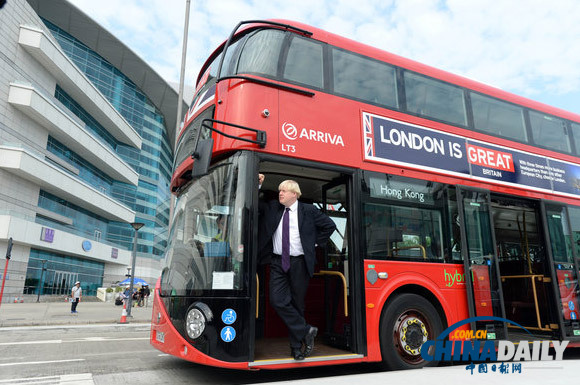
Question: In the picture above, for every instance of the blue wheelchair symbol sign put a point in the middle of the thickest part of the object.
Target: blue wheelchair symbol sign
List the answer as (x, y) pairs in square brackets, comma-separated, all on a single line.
[(228, 334), (229, 316), (571, 305)]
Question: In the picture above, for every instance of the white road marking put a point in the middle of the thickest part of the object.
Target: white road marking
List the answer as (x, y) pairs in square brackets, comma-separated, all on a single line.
[(87, 339), (73, 379), (42, 362), (31, 342), (107, 339)]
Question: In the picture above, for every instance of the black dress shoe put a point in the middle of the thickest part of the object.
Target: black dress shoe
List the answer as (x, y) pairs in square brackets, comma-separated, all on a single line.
[(297, 354), (309, 340)]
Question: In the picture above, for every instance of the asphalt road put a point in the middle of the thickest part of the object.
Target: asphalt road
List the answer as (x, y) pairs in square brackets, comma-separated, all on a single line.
[(112, 354), (118, 354)]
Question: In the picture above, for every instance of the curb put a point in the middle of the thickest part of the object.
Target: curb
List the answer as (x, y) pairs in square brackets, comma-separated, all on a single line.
[(40, 323)]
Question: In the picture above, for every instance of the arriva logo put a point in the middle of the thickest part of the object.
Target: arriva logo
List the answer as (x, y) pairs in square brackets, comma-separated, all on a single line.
[(291, 132), (452, 279)]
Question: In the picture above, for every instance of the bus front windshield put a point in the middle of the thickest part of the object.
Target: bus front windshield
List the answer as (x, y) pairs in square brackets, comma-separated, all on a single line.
[(206, 249)]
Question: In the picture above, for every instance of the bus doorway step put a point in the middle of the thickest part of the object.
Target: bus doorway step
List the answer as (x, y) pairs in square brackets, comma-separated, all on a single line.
[(279, 349)]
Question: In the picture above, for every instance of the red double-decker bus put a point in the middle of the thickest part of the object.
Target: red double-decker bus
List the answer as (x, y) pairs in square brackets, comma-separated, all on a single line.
[(452, 199)]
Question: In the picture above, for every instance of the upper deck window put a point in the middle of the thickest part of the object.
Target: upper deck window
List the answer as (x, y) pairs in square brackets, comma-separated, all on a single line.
[(365, 79), (304, 62), (435, 99), (498, 118), (261, 52), (230, 61), (549, 132), (575, 127)]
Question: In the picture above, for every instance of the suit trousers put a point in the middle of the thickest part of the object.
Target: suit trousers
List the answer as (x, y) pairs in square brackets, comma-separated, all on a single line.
[(287, 292)]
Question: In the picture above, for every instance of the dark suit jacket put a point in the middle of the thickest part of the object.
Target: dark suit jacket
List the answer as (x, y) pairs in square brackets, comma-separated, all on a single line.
[(314, 226)]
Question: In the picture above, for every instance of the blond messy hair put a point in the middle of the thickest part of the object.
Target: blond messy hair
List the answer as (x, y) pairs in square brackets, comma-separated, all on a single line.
[(290, 185)]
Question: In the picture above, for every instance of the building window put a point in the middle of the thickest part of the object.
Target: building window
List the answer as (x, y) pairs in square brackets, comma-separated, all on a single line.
[(61, 273), (84, 221), (153, 160)]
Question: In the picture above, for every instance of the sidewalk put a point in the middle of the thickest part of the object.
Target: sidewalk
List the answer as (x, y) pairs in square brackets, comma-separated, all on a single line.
[(58, 313)]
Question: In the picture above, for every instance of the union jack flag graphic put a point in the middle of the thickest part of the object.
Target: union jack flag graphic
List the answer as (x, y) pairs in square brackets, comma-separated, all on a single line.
[(369, 136)]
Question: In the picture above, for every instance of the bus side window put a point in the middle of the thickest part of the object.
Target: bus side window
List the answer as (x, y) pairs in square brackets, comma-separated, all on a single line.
[(498, 118), (375, 230), (549, 131), (436, 99), (399, 232), (364, 78)]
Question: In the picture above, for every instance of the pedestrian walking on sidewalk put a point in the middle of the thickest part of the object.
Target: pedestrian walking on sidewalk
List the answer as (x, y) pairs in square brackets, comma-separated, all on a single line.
[(146, 293), (76, 295)]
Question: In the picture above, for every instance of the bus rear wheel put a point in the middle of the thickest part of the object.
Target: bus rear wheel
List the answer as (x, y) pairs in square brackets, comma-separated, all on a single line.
[(407, 322)]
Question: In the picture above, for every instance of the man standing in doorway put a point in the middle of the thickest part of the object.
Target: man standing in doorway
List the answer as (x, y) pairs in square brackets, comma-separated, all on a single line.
[(76, 295), (289, 232)]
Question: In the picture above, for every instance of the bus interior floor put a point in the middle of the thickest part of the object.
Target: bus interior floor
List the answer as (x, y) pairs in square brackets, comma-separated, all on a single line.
[(279, 348)]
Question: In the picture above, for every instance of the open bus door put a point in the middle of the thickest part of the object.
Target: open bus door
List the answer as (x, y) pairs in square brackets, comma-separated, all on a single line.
[(334, 267), (561, 253), (482, 279), (330, 304)]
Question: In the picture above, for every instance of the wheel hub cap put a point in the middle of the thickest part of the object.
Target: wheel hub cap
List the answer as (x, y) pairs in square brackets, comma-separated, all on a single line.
[(413, 335)]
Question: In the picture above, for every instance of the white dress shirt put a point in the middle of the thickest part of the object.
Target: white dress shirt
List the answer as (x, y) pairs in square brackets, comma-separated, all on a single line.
[(295, 242)]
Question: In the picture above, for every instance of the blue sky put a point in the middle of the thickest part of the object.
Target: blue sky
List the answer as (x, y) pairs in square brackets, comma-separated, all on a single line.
[(528, 47)]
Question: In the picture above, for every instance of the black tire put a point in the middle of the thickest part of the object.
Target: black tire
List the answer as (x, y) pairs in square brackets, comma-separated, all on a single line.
[(407, 322)]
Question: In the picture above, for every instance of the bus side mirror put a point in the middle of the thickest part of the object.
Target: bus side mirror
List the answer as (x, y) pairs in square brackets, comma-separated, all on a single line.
[(202, 158)]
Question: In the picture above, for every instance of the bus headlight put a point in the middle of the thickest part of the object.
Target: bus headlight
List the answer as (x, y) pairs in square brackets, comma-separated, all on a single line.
[(195, 323)]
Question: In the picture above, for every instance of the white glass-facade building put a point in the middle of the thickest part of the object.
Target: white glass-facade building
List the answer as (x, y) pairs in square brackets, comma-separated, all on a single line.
[(86, 147)]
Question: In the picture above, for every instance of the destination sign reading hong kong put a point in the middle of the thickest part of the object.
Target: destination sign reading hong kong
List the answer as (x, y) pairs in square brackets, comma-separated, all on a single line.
[(394, 142)]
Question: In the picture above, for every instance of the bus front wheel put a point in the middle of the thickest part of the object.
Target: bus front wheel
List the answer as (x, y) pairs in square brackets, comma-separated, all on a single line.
[(407, 322)]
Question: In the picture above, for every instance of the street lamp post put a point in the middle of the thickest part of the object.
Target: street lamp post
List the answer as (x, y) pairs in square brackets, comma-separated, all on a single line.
[(41, 286), (182, 73), (136, 226)]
